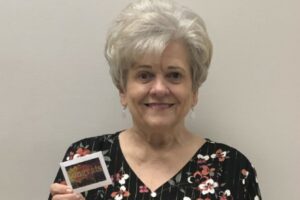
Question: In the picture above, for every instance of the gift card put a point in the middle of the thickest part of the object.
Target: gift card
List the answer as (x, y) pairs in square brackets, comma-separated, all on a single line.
[(86, 173)]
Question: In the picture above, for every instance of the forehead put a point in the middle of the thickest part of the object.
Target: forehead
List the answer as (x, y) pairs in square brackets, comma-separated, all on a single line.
[(174, 54)]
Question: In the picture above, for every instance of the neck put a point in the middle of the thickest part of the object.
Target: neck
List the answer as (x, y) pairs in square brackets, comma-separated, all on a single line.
[(159, 140), (150, 146)]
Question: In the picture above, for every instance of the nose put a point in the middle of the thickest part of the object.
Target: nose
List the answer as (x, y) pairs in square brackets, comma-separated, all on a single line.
[(159, 87)]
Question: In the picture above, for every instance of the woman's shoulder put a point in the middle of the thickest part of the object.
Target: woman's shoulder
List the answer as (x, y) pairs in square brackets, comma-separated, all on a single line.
[(229, 168), (93, 144), (214, 145), (108, 137), (224, 152)]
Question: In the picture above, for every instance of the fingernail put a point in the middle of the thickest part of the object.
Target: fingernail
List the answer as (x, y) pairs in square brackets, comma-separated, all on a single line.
[(78, 196), (69, 189)]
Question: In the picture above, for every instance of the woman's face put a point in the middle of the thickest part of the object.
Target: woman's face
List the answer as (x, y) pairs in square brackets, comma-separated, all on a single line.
[(159, 91)]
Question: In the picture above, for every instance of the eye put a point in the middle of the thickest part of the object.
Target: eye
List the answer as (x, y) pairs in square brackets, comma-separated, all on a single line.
[(145, 76), (175, 77)]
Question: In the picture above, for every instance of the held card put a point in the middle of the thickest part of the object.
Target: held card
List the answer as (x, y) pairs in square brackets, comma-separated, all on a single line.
[(86, 173)]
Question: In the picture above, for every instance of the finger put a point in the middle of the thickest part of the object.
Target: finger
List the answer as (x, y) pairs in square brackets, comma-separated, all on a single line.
[(79, 196), (56, 188), (72, 196)]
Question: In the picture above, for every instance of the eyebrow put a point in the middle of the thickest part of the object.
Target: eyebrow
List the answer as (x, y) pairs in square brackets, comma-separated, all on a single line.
[(141, 66), (175, 67)]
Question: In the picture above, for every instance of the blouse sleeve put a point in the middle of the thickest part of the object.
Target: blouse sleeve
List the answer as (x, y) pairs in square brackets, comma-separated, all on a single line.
[(59, 176), (250, 187)]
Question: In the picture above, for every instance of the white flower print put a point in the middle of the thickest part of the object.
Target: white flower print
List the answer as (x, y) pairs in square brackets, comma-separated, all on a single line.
[(121, 193), (187, 198), (208, 186), (256, 198), (219, 154), (245, 173), (123, 179), (227, 192), (119, 197), (201, 157), (123, 188)]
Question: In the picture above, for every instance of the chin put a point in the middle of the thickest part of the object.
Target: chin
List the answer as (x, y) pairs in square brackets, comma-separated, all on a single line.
[(160, 124)]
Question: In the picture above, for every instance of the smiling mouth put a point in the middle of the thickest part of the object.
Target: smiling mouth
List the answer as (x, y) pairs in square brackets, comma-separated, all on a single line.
[(159, 105)]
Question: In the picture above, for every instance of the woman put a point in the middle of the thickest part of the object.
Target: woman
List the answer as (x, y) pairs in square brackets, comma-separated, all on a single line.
[(159, 54)]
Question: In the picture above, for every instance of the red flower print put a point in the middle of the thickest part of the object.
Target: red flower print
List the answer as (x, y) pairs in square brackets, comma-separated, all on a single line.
[(71, 156), (83, 151), (120, 178), (226, 195), (116, 177), (196, 179), (245, 174), (143, 189), (204, 170), (221, 155), (120, 194)]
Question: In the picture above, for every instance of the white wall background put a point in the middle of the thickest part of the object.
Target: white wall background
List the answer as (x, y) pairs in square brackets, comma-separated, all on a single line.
[(55, 87)]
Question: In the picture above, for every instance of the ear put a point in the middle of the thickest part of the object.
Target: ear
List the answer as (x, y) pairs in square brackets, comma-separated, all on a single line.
[(195, 98), (123, 99)]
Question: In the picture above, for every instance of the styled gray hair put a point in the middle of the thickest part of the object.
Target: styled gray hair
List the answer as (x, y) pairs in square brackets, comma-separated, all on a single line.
[(147, 26)]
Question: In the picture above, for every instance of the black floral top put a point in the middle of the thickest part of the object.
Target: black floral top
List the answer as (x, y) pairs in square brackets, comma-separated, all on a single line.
[(215, 172)]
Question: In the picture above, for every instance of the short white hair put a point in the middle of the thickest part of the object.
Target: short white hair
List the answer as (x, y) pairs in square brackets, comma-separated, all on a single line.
[(147, 26)]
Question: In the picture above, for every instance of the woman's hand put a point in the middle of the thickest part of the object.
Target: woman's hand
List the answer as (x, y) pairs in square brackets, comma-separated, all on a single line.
[(64, 192)]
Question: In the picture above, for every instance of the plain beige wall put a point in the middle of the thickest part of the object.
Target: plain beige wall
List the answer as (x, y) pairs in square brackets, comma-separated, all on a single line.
[(55, 87)]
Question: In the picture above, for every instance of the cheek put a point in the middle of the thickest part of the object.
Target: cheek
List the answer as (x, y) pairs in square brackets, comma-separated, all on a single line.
[(136, 95), (190, 100)]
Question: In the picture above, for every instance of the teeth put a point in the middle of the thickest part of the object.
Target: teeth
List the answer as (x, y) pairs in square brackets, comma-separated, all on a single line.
[(159, 105)]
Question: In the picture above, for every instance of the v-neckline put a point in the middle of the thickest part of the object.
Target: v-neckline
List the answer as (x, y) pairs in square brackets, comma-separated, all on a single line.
[(158, 189)]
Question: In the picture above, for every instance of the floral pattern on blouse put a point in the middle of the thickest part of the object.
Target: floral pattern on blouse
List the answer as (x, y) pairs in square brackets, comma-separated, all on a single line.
[(215, 172)]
